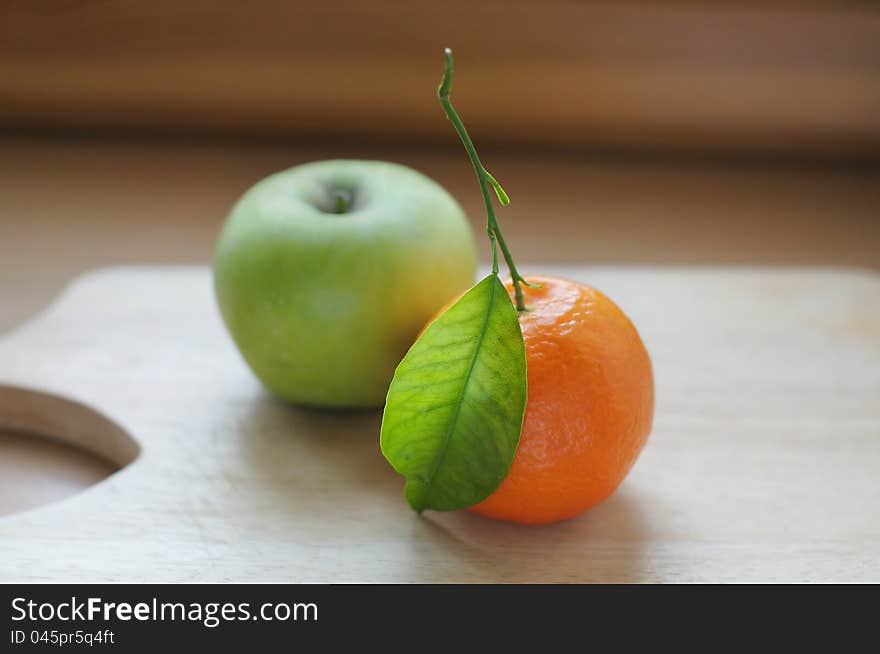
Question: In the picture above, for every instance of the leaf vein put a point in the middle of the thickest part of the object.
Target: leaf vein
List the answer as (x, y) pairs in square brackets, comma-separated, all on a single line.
[(438, 461)]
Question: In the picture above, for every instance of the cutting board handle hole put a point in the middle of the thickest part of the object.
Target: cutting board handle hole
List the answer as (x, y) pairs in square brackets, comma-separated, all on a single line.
[(52, 447)]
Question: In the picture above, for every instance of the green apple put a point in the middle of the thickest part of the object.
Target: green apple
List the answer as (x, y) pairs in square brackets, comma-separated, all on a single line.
[(326, 272)]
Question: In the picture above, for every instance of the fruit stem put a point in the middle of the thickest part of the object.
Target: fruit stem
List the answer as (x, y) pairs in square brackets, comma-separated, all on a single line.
[(341, 201), (485, 178)]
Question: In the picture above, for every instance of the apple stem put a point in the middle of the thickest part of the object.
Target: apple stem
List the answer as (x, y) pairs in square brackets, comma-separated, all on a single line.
[(341, 201), (485, 178)]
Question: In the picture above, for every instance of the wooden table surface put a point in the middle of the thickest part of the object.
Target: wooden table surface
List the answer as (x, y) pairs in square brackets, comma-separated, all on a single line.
[(762, 465)]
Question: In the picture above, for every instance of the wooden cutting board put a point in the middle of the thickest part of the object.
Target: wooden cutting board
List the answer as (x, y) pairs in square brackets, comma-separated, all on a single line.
[(764, 462)]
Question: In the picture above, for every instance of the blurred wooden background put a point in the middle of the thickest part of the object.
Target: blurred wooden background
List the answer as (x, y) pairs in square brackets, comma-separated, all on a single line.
[(790, 78), (681, 132)]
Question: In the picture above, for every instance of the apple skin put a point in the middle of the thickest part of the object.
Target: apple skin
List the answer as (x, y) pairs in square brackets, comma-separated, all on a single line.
[(323, 305)]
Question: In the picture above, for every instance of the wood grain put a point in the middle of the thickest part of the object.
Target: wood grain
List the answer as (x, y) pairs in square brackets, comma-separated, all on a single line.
[(762, 464), (727, 77)]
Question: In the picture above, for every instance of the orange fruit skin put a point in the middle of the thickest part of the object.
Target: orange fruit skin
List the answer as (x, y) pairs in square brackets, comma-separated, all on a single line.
[(590, 404)]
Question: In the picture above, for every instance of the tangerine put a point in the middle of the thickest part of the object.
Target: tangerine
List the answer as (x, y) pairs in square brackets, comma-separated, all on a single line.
[(590, 404)]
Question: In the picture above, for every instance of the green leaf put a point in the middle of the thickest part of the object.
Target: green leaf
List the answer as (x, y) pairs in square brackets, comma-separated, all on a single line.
[(503, 198), (455, 407)]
